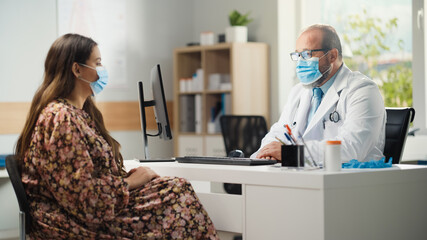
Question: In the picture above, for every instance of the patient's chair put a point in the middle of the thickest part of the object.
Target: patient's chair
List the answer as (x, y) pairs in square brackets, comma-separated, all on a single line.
[(242, 132), (24, 207), (398, 120)]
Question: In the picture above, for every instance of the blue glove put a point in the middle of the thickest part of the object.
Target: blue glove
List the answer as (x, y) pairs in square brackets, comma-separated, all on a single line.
[(371, 164)]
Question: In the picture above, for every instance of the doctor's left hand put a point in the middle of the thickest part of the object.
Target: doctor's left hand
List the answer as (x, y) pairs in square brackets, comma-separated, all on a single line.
[(272, 151)]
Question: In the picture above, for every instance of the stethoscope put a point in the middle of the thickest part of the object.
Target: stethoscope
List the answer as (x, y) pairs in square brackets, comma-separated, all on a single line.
[(333, 116)]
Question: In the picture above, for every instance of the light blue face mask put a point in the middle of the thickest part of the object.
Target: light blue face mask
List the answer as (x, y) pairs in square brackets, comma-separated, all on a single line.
[(99, 84), (308, 70)]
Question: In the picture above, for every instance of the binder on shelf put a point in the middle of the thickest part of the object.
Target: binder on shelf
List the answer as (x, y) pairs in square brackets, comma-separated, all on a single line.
[(187, 114), (198, 113), (226, 103)]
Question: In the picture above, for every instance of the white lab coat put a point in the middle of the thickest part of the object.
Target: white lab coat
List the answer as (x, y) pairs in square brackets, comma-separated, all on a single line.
[(361, 128)]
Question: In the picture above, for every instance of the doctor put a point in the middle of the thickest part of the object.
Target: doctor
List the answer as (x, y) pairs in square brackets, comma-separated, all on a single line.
[(330, 103)]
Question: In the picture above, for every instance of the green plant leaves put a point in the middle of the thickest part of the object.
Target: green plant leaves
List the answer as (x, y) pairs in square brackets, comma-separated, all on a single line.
[(368, 37), (237, 19)]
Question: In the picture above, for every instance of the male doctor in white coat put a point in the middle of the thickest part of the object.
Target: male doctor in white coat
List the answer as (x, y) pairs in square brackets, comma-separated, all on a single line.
[(330, 103)]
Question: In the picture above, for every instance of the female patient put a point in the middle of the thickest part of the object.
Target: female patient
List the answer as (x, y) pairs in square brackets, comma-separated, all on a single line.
[(72, 169)]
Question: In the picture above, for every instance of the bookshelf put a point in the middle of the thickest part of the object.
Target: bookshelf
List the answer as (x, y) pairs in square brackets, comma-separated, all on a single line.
[(226, 78)]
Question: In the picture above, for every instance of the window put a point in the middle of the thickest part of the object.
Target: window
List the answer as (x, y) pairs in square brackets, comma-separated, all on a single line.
[(377, 40)]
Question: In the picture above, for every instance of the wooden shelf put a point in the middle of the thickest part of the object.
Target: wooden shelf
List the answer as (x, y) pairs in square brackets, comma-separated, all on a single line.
[(246, 65), (190, 134), (189, 93), (205, 92), (217, 91)]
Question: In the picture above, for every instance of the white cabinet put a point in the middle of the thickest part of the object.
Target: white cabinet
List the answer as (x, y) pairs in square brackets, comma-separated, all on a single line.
[(214, 146), (190, 146)]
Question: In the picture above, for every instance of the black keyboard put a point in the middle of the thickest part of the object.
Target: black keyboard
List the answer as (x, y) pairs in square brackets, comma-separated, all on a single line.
[(225, 160), (157, 160)]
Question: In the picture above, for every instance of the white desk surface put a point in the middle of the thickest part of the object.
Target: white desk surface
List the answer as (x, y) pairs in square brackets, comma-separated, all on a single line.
[(274, 175), (278, 203), (351, 204), (3, 173)]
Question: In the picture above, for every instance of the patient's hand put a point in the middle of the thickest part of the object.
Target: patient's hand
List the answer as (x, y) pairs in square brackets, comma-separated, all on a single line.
[(272, 151), (139, 176)]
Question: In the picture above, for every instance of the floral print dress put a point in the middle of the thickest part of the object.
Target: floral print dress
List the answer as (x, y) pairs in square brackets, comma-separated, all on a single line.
[(76, 189)]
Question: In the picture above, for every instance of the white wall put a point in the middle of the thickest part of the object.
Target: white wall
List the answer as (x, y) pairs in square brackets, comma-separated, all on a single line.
[(213, 16), (154, 29), (27, 28)]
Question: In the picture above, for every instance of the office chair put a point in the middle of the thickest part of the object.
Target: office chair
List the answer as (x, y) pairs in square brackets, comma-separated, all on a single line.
[(397, 125), (243, 133), (18, 187)]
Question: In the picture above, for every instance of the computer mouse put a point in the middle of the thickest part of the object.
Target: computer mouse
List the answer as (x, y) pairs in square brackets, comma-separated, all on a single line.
[(236, 153)]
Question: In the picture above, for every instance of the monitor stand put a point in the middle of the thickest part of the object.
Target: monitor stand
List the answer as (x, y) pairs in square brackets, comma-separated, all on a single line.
[(143, 105)]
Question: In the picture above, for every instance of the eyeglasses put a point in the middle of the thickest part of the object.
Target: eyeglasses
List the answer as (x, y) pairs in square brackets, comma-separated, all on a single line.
[(307, 54)]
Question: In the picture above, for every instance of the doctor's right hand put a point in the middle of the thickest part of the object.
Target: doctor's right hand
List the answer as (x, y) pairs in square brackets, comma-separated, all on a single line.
[(272, 151), (139, 176)]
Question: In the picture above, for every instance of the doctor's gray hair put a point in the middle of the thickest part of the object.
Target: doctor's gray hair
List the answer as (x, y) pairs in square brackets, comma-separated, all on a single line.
[(330, 38)]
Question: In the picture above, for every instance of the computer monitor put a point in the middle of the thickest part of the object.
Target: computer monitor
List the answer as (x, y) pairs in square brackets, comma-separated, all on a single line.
[(160, 109)]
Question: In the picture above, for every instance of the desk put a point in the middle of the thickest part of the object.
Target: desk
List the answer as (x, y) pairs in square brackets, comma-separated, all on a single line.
[(9, 209), (280, 203)]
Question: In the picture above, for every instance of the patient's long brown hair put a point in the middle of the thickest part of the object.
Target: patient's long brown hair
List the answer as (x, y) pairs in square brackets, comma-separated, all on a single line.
[(58, 83)]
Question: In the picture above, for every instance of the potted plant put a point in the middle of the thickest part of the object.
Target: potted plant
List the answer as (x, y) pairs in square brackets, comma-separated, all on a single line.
[(238, 32)]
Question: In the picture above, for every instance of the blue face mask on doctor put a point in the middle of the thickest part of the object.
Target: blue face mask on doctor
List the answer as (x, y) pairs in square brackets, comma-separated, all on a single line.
[(308, 70), (99, 84)]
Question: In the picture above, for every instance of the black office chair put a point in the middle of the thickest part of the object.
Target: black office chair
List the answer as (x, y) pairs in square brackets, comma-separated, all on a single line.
[(398, 120), (242, 132), (24, 207)]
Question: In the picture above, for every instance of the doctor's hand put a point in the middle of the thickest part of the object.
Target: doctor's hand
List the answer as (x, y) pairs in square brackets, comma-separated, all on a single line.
[(139, 176), (271, 151)]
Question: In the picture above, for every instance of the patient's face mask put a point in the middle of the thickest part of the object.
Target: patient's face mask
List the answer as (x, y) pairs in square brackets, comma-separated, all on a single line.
[(99, 84), (308, 70)]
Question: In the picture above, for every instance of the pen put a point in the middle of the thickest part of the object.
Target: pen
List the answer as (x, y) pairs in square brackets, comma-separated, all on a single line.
[(278, 139), (288, 128), (289, 139), (290, 133)]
